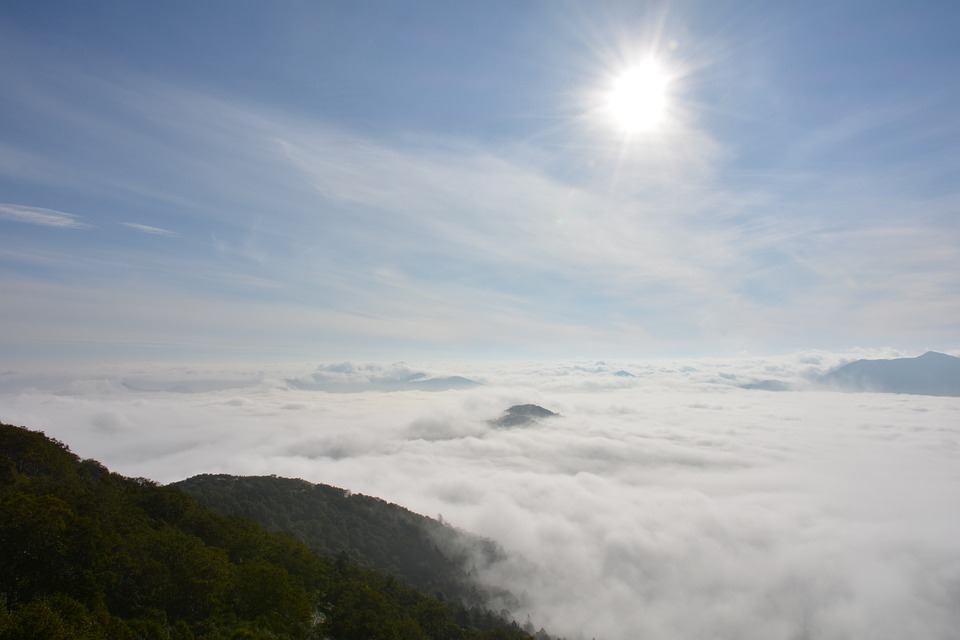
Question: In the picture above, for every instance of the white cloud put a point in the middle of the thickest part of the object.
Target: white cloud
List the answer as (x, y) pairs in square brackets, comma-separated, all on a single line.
[(669, 504), (40, 216), (144, 228)]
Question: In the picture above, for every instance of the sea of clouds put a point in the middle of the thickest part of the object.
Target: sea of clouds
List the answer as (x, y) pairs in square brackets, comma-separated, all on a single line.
[(667, 503)]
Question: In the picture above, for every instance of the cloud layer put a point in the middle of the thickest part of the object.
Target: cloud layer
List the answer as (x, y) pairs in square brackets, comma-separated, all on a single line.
[(669, 503)]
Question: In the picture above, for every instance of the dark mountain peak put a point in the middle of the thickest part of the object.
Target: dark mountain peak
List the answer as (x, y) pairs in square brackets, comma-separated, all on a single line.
[(931, 374), (936, 355), (520, 415)]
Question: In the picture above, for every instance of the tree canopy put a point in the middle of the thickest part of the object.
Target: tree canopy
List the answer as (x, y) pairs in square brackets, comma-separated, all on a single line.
[(90, 554), (420, 551)]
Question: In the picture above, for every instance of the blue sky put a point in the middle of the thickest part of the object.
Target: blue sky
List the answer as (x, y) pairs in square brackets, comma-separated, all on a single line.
[(236, 180)]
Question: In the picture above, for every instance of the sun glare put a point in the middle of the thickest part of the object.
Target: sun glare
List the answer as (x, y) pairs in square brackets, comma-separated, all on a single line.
[(638, 98)]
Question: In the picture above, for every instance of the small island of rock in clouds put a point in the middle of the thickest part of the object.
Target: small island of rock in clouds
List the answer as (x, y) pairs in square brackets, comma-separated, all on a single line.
[(521, 415)]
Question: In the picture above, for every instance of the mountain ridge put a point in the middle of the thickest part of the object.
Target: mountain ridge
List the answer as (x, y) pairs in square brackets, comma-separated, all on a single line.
[(423, 552), (87, 554), (932, 373)]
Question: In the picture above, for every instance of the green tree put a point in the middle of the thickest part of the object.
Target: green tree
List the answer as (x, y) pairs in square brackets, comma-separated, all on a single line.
[(33, 536)]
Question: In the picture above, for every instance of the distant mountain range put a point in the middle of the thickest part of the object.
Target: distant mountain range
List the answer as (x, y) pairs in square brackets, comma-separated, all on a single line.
[(353, 377), (768, 385), (405, 382), (932, 374)]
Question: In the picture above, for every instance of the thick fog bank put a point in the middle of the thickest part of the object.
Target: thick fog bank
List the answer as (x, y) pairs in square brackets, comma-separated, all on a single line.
[(667, 503)]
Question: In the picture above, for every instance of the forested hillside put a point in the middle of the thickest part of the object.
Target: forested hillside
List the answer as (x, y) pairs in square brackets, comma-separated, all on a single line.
[(89, 554), (422, 552)]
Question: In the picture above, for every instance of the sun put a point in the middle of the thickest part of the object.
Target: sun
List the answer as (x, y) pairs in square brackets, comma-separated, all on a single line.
[(638, 99)]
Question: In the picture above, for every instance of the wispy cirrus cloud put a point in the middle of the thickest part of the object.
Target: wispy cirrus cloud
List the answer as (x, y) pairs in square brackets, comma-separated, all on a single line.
[(145, 228), (40, 216)]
